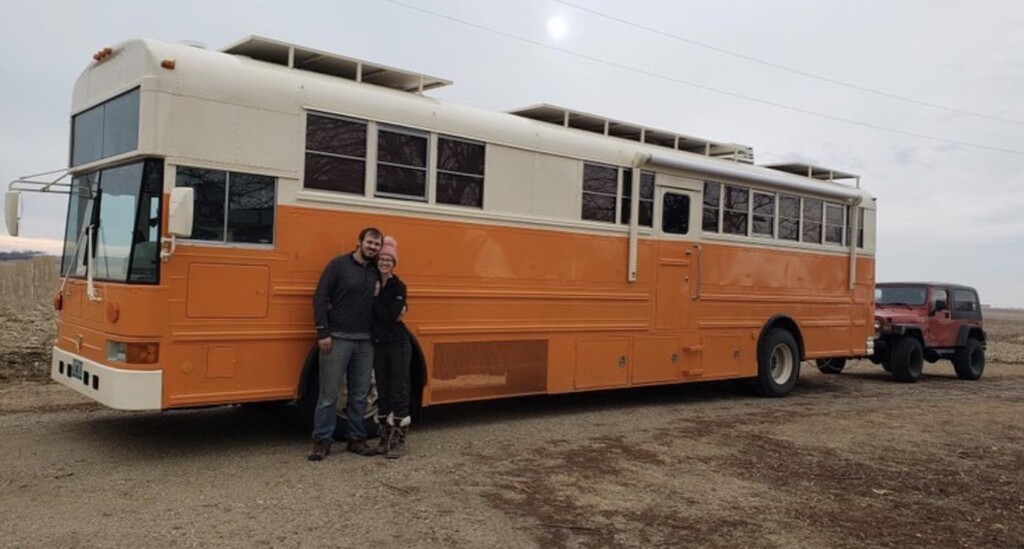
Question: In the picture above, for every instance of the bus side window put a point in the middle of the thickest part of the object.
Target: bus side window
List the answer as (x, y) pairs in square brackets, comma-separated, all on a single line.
[(675, 213)]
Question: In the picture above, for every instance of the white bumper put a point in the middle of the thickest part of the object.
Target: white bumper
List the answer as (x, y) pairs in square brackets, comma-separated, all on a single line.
[(118, 389)]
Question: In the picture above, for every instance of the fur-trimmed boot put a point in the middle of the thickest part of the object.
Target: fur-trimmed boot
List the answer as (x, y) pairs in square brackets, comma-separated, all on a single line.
[(385, 424), (400, 430)]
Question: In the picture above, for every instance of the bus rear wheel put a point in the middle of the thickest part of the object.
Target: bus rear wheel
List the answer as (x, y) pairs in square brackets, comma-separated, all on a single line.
[(778, 364), (830, 365)]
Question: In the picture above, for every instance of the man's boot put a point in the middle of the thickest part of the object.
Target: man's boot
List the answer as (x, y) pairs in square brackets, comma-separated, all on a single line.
[(397, 447)]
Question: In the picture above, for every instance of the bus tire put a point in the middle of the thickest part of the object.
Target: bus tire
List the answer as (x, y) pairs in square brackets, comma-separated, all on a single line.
[(778, 364), (969, 360), (830, 365), (907, 360)]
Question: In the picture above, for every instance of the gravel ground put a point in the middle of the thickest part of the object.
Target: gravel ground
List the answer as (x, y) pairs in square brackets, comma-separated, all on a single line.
[(846, 461)]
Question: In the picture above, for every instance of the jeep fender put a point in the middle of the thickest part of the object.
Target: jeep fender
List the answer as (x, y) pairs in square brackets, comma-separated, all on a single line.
[(967, 332)]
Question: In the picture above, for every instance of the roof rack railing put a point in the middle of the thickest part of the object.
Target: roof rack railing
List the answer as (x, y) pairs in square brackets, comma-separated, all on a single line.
[(569, 118), (814, 172), (298, 57)]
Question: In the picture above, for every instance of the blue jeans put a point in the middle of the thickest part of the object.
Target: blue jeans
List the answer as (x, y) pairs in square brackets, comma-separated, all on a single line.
[(352, 360)]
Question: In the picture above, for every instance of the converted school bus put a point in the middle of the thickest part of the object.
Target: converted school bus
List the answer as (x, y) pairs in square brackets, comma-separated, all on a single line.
[(546, 250)]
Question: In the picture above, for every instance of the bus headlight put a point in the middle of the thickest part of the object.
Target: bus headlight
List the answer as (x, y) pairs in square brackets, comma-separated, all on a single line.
[(133, 353)]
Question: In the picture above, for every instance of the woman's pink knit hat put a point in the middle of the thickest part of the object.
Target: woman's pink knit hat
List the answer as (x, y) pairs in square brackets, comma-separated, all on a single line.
[(390, 247)]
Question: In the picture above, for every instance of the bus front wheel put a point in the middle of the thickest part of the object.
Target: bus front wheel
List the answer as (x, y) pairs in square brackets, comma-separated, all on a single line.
[(778, 364)]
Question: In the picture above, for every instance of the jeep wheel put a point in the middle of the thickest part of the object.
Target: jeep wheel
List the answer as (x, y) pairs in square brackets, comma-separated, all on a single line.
[(969, 360), (778, 364), (830, 365), (907, 360)]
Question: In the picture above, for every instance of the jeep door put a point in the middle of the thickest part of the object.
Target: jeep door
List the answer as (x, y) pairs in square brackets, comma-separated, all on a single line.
[(942, 329)]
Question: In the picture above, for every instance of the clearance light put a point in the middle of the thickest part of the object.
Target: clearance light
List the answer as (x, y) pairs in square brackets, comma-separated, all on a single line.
[(58, 301), (133, 353), (102, 54), (167, 64)]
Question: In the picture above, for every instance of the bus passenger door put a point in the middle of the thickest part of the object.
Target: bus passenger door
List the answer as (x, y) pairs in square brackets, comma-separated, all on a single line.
[(675, 259), (659, 358)]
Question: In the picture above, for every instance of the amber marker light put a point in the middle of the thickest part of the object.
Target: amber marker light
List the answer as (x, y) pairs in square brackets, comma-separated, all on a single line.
[(58, 301), (133, 353), (167, 64)]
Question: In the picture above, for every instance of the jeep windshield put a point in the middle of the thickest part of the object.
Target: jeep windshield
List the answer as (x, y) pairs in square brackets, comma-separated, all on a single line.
[(122, 205), (906, 296)]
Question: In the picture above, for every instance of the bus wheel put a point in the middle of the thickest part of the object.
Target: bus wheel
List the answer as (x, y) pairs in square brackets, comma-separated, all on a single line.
[(830, 365), (778, 364), (907, 360)]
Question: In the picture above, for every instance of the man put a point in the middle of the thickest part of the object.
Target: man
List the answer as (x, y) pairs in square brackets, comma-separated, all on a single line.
[(343, 309)]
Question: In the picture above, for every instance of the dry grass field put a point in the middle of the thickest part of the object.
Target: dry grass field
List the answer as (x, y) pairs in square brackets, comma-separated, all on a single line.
[(27, 325)]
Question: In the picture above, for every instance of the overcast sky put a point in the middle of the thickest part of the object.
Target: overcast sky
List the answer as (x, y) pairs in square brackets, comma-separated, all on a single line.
[(946, 211)]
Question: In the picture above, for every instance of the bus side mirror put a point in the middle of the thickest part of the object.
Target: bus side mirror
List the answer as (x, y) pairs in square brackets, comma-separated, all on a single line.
[(12, 207), (182, 204)]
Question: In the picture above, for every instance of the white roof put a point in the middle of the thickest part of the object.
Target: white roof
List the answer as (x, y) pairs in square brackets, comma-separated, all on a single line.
[(309, 59)]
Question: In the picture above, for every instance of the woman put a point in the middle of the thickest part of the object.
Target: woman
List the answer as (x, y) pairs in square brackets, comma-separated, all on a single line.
[(392, 352)]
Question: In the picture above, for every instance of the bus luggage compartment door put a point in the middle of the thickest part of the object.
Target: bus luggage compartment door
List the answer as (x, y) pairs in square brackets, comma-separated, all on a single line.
[(602, 363)]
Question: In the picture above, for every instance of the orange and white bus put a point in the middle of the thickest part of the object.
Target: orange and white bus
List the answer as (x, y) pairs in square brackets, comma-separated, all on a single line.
[(546, 250)]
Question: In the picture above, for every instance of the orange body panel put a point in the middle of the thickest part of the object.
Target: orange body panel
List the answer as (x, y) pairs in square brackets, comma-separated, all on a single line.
[(496, 310)]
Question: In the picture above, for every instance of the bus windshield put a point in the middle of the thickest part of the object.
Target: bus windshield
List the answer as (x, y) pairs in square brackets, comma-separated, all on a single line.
[(122, 204)]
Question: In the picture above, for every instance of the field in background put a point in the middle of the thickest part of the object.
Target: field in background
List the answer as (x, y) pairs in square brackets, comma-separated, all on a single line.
[(27, 324)]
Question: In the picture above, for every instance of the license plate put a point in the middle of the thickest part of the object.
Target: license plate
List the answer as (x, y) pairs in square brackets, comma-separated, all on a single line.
[(76, 369)]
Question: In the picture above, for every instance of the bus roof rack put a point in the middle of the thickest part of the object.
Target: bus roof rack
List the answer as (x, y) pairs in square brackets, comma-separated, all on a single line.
[(569, 118), (298, 57), (814, 172)]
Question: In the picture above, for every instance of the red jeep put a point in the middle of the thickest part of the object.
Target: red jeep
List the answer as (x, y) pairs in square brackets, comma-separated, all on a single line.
[(918, 321)]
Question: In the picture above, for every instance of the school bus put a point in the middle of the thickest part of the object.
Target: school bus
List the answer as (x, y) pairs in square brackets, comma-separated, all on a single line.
[(546, 250)]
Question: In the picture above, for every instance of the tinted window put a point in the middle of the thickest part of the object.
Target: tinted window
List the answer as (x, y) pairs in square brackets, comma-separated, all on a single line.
[(789, 217), (210, 191), (675, 213), (250, 208), (646, 197), (735, 210), (460, 172), (900, 295), (401, 163), (764, 214), (231, 206), (833, 224), (712, 201), (965, 301), (106, 130), (812, 221), (600, 186), (335, 154)]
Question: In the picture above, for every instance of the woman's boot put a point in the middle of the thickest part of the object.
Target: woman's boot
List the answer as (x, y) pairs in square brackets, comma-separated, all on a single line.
[(400, 431)]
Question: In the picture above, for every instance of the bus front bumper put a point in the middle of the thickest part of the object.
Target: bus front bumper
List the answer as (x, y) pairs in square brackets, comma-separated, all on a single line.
[(112, 387)]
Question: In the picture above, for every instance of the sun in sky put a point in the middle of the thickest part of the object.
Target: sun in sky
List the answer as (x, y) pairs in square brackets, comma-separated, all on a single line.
[(557, 27)]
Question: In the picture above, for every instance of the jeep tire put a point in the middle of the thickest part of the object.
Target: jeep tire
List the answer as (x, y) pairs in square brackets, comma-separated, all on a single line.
[(830, 365), (969, 360), (907, 359)]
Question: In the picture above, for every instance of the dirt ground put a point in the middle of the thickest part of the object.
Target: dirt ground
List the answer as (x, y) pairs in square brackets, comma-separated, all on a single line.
[(855, 460), (845, 461)]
